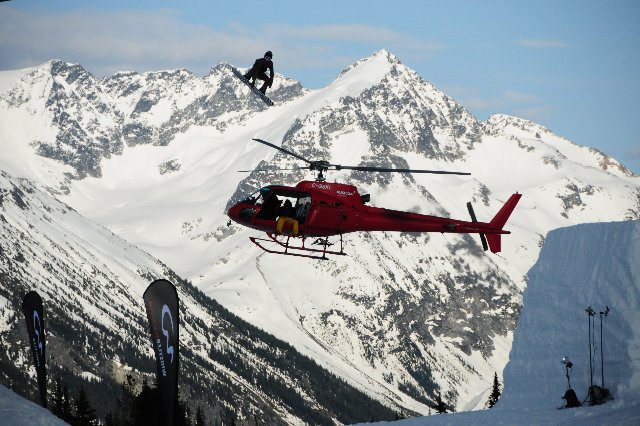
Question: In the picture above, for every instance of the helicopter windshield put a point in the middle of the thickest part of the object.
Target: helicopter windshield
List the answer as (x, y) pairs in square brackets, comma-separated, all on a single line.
[(257, 197)]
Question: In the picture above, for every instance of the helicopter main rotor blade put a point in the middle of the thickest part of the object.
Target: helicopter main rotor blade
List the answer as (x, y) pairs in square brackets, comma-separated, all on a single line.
[(272, 170), (387, 170), (283, 150), (325, 165)]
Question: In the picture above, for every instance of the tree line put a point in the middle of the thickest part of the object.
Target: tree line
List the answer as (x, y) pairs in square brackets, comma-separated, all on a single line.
[(132, 407)]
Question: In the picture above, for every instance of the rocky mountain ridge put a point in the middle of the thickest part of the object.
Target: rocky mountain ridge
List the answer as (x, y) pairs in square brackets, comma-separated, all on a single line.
[(404, 316), (92, 283)]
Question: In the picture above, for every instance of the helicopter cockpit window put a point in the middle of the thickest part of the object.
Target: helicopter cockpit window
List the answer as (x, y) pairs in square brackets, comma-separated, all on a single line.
[(257, 197)]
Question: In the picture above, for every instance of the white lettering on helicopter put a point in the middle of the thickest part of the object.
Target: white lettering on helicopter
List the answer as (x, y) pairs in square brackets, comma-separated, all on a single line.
[(345, 193), (320, 186)]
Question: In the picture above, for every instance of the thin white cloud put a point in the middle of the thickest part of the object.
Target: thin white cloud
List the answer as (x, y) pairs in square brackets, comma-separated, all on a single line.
[(98, 40), (513, 97), (319, 39), (105, 42), (542, 43), (512, 102), (534, 113), (352, 33)]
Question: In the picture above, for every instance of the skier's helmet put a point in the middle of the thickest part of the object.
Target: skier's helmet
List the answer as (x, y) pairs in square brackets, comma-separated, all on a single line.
[(268, 55)]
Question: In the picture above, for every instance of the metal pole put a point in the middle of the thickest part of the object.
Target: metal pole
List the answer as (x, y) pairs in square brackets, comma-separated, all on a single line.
[(601, 352), (605, 313), (590, 312), (567, 365)]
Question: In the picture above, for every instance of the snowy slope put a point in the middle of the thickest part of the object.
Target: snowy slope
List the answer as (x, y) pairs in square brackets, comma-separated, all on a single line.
[(586, 265), (553, 326), (566, 150), (403, 315), (17, 411), (92, 282)]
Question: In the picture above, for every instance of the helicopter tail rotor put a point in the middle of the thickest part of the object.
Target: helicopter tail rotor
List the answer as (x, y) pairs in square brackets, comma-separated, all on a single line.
[(483, 238)]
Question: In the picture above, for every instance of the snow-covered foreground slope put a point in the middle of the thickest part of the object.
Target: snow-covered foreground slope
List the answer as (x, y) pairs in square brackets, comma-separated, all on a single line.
[(17, 411), (586, 265)]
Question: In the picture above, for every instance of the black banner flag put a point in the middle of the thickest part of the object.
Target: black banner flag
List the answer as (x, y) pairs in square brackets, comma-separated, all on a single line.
[(161, 301), (34, 316)]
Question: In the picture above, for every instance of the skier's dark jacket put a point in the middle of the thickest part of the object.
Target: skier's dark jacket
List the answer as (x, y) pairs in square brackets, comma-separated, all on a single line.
[(259, 67)]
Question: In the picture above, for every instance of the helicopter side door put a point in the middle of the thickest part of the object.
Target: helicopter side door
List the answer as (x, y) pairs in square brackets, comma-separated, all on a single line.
[(326, 218)]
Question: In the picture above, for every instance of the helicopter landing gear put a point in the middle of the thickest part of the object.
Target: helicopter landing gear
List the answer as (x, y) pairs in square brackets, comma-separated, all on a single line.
[(281, 244)]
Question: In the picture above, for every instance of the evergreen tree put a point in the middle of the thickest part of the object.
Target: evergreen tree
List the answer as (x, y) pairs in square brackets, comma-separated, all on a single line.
[(440, 407), (144, 407), (124, 403), (183, 414), (495, 392), (85, 413), (56, 408), (200, 417), (67, 413), (108, 420)]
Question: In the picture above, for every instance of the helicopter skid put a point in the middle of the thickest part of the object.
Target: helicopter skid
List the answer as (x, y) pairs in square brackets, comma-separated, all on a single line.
[(283, 246)]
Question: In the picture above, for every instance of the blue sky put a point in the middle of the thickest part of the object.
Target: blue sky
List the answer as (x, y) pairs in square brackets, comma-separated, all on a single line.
[(572, 66)]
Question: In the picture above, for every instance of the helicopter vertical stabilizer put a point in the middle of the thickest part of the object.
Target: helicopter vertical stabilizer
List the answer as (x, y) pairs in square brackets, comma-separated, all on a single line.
[(499, 220), (495, 242)]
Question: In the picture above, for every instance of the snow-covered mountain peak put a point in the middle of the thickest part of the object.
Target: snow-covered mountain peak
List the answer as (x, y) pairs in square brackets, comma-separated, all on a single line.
[(220, 67), (535, 136), (504, 121), (385, 55), (181, 140), (362, 74), (380, 92), (8, 79), (384, 66), (125, 73)]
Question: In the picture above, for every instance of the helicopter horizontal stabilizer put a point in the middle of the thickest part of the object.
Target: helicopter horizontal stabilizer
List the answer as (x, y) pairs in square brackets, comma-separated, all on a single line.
[(499, 220)]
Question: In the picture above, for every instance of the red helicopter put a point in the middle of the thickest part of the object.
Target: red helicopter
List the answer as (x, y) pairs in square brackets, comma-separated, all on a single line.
[(318, 209)]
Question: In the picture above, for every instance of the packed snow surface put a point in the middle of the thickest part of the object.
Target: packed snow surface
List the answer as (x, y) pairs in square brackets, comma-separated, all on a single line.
[(585, 265), (17, 411)]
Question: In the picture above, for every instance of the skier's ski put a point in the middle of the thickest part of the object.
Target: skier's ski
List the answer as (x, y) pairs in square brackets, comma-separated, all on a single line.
[(253, 88)]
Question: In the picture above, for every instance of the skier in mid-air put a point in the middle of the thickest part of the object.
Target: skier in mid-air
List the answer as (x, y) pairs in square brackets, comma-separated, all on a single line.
[(258, 71)]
